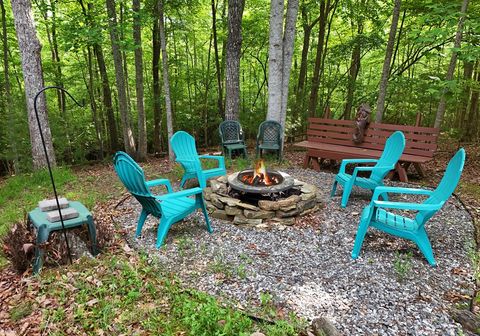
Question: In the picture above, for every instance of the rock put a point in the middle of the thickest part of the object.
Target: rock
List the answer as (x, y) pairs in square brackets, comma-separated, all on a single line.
[(262, 214), (214, 199), (466, 318), (284, 221), (210, 207), (288, 208), (242, 220), (220, 214), (262, 226), (291, 213), (207, 193), (218, 187), (222, 179), (305, 205), (248, 206), (233, 211), (298, 183), (308, 188), (229, 200), (308, 196), (323, 327), (309, 211), (271, 205)]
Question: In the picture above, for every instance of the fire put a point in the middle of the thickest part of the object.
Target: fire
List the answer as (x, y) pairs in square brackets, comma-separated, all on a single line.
[(259, 176)]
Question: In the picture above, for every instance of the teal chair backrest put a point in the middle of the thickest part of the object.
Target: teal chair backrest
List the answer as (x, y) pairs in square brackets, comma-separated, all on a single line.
[(270, 132), (230, 132), (392, 152), (447, 185), (133, 178), (183, 145)]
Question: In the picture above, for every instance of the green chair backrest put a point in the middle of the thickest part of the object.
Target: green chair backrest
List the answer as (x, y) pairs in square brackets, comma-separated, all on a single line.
[(183, 145), (447, 185), (133, 179), (230, 132), (392, 152), (270, 132)]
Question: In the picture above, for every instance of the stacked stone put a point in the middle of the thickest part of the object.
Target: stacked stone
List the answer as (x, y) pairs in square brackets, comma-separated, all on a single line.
[(221, 205)]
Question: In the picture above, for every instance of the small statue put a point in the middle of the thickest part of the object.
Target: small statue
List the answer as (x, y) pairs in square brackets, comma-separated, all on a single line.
[(362, 120)]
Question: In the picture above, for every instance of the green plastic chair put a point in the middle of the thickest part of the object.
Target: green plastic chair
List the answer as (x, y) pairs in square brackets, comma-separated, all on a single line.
[(391, 154), (169, 208), (183, 145), (376, 216), (231, 135), (270, 137)]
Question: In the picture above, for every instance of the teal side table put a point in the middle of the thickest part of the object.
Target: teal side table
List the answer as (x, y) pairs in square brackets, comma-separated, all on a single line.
[(44, 228)]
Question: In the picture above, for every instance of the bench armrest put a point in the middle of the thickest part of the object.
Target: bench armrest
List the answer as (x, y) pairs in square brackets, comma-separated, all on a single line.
[(408, 206), (183, 193), (157, 182)]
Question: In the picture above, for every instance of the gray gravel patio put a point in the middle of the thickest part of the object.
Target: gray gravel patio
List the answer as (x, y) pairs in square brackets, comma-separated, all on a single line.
[(307, 268)]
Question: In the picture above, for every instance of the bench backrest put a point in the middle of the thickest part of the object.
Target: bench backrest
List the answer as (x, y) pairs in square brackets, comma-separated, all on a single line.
[(420, 141)]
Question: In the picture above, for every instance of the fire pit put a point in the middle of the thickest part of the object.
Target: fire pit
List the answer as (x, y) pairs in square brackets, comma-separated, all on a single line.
[(260, 181), (260, 197)]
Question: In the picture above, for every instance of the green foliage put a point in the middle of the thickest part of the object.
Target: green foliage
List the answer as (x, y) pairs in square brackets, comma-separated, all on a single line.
[(402, 265)]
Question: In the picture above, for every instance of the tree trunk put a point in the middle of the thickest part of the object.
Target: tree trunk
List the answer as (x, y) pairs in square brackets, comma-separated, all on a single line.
[(382, 91), (30, 50), (221, 111), (472, 122), (318, 58), (157, 113), (451, 68), (166, 80), (128, 140), (9, 107), (137, 37), (232, 70), (465, 95), (352, 75), (280, 54)]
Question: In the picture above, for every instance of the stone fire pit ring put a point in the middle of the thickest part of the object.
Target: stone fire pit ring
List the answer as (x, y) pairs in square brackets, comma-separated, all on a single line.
[(286, 183)]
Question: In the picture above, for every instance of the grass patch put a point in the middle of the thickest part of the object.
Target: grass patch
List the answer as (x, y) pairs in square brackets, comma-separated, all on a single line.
[(19, 312), (117, 294)]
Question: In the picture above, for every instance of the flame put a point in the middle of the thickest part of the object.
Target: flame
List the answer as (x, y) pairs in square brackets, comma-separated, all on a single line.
[(259, 175)]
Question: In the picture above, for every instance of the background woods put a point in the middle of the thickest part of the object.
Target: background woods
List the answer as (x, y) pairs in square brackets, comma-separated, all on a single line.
[(196, 61)]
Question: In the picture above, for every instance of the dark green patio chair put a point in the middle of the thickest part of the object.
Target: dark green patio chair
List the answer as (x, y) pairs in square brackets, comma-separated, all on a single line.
[(231, 134), (270, 137)]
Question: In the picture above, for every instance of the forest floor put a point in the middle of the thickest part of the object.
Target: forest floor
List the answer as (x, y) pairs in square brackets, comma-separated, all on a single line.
[(105, 294)]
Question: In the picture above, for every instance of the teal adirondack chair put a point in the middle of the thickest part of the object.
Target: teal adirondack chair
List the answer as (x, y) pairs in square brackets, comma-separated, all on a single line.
[(183, 145), (391, 153), (412, 229), (231, 135), (169, 208), (270, 137)]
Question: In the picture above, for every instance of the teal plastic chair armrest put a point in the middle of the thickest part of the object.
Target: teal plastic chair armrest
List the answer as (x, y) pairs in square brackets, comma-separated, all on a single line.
[(408, 206), (396, 190), (157, 182), (183, 193), (352, 161)]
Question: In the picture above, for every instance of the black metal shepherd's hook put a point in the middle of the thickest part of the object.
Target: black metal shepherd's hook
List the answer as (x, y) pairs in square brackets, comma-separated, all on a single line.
[(48, 160)]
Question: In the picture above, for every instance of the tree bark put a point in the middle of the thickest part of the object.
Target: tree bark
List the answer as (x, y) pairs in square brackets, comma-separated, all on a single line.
[(166, 80), (30, 51), (382, 90), (312, 107), (352, 75), (221, 111), (465, 96), (157, 113), (128, 140), (472, 122), (142, 125), (232, 70), (451, 67)]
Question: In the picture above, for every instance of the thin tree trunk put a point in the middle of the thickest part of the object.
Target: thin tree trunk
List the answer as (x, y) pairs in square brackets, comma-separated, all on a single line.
[(128, 140), (451, 67), (137, 37), (166, 81), (221, 111), (382, 91), (157, 117), (318, 58), (9, 107), (352, 75), (465, 95), (30, 51), (232, 70), (472, 122)]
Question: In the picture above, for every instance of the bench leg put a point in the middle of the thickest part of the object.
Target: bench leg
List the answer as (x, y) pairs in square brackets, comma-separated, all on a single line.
[(316, 164), (93, 235), (306, 161), (419, 169), (402, 173)]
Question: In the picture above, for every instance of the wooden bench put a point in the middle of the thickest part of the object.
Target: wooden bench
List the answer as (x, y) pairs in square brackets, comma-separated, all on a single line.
[(332, 139)]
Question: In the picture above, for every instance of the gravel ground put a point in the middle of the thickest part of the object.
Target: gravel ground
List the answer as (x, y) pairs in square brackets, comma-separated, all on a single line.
[(307, 268)]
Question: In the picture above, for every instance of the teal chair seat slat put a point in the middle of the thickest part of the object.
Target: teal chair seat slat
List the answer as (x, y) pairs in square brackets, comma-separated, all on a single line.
[(377, 216), (169, 208), (391, 154), (183, 145)]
